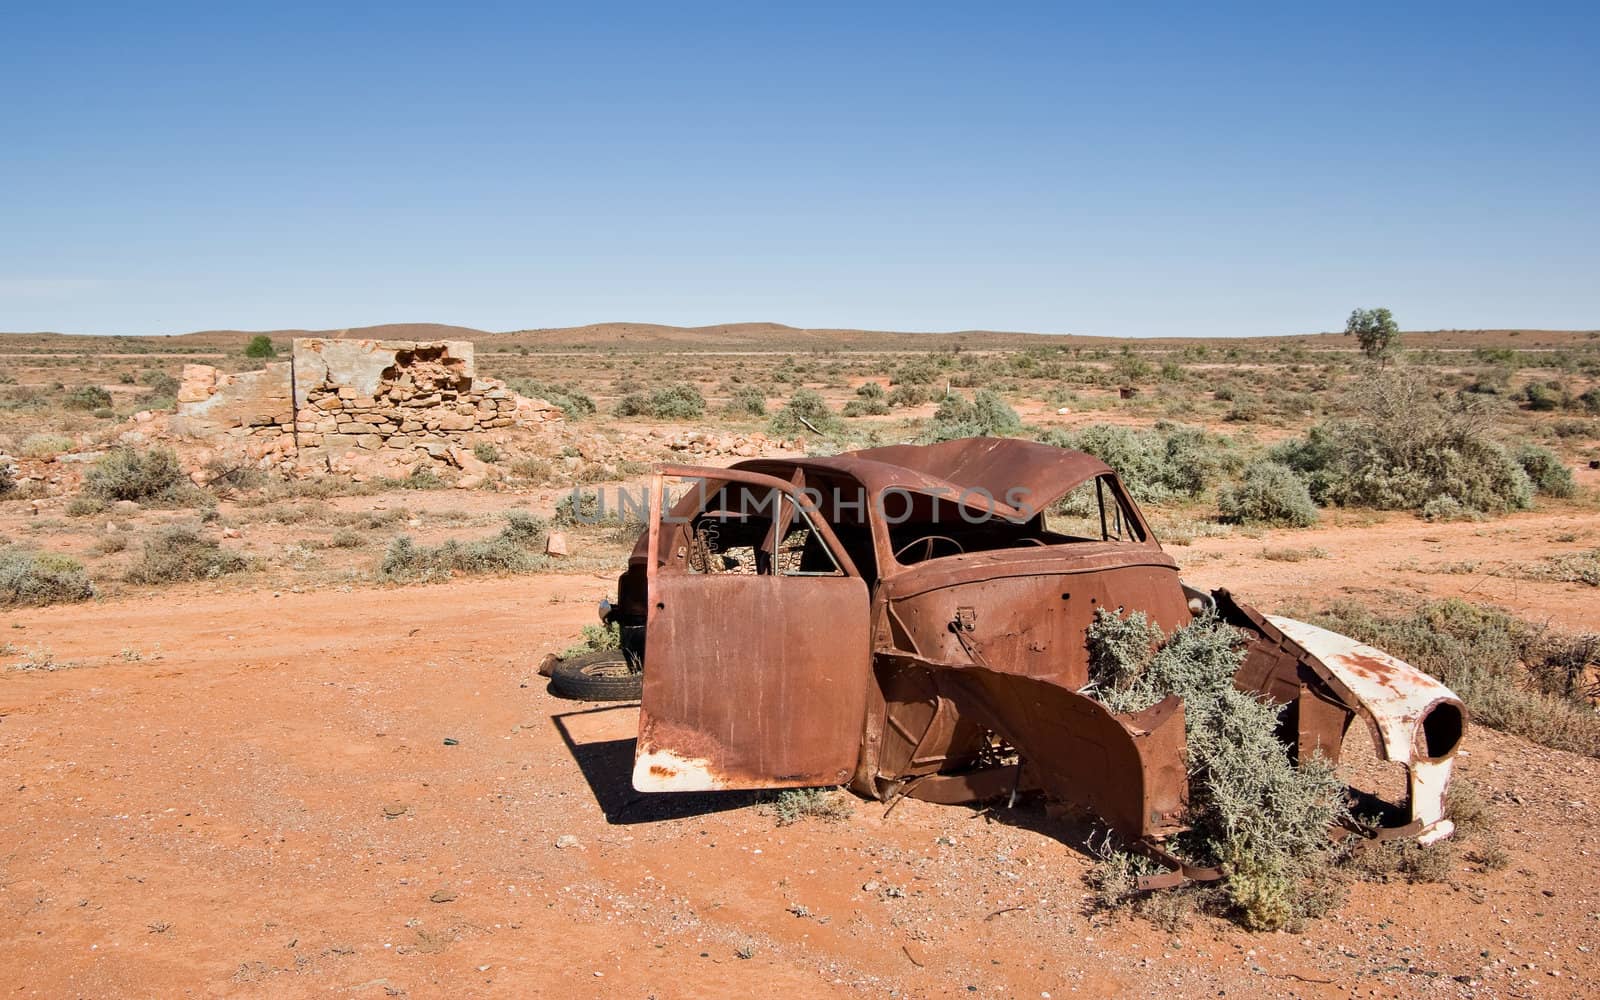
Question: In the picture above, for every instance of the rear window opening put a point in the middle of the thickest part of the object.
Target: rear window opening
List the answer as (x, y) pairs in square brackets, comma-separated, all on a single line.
[(756, 531), (1095, 511)]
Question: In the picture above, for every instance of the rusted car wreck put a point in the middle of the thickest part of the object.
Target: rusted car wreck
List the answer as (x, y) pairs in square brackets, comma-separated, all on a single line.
[(911, 620)]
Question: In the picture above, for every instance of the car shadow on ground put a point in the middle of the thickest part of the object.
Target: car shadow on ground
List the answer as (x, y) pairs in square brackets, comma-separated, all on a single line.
[(606, 762), (607, 765), (1080, 834)]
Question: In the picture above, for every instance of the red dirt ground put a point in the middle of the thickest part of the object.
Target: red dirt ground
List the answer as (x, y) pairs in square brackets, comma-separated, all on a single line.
[(264, 804)]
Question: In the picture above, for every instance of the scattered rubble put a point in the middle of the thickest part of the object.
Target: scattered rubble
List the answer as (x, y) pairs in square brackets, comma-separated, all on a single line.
[(370, 407), (741, 445)]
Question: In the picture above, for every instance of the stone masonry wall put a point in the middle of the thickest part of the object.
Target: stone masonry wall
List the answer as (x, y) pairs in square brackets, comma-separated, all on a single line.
[(379, 406)]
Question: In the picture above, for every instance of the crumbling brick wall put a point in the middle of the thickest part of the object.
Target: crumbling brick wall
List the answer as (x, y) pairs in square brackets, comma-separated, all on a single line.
[(356, 405)]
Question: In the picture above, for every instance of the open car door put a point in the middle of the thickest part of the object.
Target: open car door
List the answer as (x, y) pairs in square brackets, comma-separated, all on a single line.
[(756, 647)]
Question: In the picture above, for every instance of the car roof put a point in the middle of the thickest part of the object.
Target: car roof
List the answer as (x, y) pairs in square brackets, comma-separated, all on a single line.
[(983, 471)]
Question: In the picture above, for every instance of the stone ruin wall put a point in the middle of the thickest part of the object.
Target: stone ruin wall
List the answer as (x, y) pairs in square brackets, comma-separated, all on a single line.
[(364, 406)]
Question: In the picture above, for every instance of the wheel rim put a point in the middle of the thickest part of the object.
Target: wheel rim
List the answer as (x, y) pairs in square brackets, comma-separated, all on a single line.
[(609, 669)]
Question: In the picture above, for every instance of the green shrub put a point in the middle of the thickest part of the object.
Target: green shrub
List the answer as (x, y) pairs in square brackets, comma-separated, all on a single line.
[(987, 415), (677, 402), (908, 395), (581, 507), (594, 639), (8, 478), (873, 407), (538, 471), (1405, 448), (177, 554), (795, 804), (1546, 470), (151, 477), (87, 397), (1164, 463), (634, 404), (45, 445), (872, 400), (159, 383), (1572, 567), (1541, 397), (223, 475), (484, 451), (747, 402), (421, 477), (574, 402), (514, 549), (523, 528), (110, 543), (1252, 811), (1245, 409), (260, 346), (1591, 400), (805, 412), (36, 578), (921, 371), (84, 506), (1270, 493)]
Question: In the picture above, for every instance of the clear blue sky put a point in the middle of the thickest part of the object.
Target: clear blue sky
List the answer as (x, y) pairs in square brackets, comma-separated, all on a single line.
[(1191, 169)]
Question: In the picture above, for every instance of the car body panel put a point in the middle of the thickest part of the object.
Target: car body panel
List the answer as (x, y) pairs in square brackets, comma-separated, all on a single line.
[(944, 654), (758, 681)]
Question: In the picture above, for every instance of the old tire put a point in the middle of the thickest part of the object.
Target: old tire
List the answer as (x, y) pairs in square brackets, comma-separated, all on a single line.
[(603, 676)]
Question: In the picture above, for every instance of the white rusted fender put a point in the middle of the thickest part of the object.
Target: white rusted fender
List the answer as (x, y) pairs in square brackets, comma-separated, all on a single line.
[(1396, 697)]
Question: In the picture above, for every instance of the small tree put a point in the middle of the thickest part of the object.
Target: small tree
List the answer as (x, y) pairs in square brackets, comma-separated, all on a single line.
[(260, 347), (1377, 331)]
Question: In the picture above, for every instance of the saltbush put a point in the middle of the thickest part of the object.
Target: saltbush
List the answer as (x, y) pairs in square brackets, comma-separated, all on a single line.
[(1547, 472), (1252, 811), (595, 639), (1405, 447), (1542, 397), (875, 406), (87, 397), (1270, 493), (1164, 463), (985, 415), (178, 553), (908, 395), (803, 408), (159, 383), (921, 371), (675, 402), (574, 402), (633, 404), (871, 400), (514, 549), (747, 402), (35, 578), (152, 477)]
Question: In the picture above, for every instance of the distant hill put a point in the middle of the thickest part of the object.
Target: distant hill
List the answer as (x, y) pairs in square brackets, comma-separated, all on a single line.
[(768, 337)]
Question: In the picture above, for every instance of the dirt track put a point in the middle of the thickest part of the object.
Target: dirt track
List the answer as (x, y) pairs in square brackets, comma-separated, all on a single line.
[(264, 804)]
